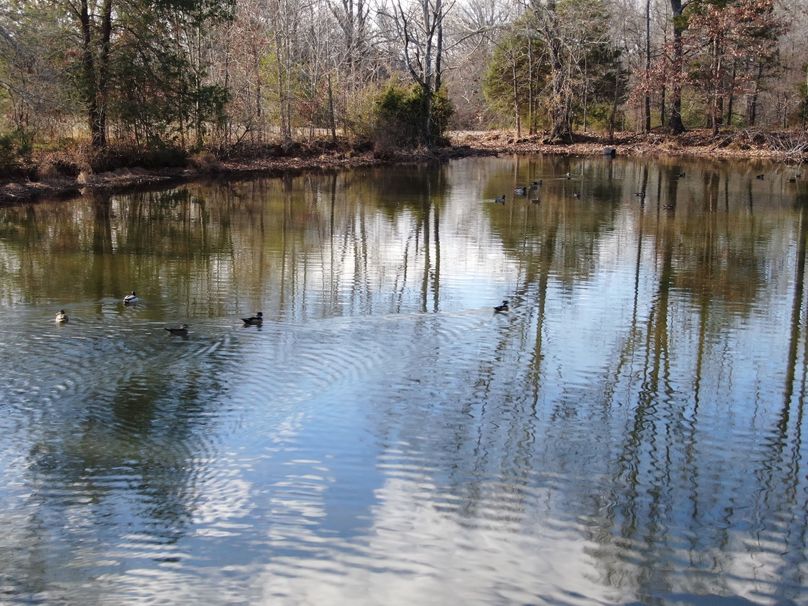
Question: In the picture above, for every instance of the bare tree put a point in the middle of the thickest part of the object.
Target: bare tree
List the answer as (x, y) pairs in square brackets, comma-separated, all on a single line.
[(419, 28)]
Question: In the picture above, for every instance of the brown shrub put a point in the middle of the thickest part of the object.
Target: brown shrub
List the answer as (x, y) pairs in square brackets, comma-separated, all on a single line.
[(205, 162)]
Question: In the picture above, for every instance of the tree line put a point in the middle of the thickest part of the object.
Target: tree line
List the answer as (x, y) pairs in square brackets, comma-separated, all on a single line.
[(191, 73)]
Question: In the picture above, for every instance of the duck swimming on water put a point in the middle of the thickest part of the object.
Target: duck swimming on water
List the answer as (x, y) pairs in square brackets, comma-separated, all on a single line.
[(499, 309), (180, 331), (255, 320), (130, 298), (61, 317)]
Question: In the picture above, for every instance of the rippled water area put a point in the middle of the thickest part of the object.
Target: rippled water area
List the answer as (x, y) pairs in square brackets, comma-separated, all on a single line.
[(630, 431)]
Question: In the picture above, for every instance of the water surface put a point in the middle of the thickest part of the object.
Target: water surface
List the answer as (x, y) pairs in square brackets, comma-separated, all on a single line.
[(630, 432)]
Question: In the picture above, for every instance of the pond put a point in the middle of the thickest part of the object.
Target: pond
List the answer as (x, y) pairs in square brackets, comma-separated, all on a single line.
[(629, 432)]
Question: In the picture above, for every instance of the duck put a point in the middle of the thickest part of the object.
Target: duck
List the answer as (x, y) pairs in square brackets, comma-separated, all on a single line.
[(520, 190), (130, 298), (61, 317), (180, 331), (499, 309), (255, 320), (640, 194), (567, 175), (575, 194), (759, 177), (500, 199)]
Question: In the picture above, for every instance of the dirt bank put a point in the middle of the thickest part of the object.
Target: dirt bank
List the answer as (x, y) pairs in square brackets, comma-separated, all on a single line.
[(15, 191), (742, 145)]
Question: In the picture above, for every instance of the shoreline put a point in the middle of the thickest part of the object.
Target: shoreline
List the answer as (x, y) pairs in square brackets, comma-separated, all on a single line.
[(786, 147), (741, 146), (13, 192)]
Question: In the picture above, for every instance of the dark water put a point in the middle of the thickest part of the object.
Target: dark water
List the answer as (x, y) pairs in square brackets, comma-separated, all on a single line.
[(630, 432)]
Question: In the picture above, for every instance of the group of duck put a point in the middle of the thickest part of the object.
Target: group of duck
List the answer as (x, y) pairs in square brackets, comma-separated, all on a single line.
[(522, 191), (180, 331), (792, 179)]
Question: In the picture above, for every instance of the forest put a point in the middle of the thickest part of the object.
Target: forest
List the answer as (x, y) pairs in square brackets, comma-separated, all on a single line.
[(166, 78)]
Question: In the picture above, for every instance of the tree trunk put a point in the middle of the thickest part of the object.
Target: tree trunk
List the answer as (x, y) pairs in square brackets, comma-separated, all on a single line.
[(103, 70), (516, 108), (586, 89), (530, 119), (198, 86), (431, 135), (751, 112), (647, 125), (675, 125), (427, 103), (716, 110), (90, 77), (331, 119), (561, 129), (615, 96), (731, 101), (439, 50), (282, 92)]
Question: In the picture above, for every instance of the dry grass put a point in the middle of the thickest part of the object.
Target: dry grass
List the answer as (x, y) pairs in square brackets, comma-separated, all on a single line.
[(786, 146)]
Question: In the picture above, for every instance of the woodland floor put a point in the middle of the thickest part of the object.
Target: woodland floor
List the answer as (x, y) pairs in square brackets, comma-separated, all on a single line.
[(784, 146)]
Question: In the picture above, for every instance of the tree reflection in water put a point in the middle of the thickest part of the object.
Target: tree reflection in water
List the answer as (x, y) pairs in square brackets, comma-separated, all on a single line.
[(639, 410)]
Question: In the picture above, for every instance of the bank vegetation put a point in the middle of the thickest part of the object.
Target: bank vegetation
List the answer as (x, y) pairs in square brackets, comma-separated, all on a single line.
[(97, 90)]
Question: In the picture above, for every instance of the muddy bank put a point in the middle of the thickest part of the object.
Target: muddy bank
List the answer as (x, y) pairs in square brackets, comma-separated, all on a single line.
[(789, 147), (272, 161), (236, 166)]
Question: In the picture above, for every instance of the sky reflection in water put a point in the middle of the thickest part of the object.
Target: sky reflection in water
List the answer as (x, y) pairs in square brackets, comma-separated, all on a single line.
[(631, 432)]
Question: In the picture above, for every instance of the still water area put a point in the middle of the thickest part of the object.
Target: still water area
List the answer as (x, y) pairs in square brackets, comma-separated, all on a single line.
[(629, 432)]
